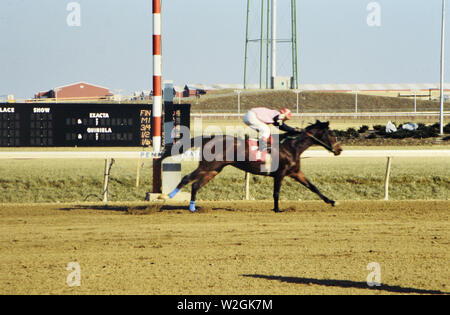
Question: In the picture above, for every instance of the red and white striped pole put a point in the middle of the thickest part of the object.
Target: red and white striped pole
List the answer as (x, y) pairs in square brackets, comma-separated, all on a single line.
[(157, 74), (157, 94)]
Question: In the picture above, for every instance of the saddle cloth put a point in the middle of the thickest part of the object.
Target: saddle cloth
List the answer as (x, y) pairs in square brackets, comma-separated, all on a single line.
[(255, 154)]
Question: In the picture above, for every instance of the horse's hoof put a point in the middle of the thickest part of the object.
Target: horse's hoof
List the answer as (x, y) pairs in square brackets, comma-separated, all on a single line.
[(192, 206), (335, 204), (277, 211), (163, 197)]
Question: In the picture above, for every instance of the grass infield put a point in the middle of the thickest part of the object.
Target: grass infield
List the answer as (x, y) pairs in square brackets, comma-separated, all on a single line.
[(60, 180)]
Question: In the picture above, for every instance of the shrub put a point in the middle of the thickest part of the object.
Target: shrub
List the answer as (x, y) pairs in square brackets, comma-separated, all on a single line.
[(436, 127), (400, 134), (340, 133), (425, 133), (363, 129), (447, 128), (352, 133), (421, 132), (421, 126)]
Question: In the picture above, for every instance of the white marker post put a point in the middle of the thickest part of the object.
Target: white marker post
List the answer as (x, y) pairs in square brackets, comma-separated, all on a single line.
[(274, 42)]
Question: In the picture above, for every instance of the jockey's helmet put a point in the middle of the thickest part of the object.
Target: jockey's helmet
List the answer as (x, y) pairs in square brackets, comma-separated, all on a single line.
[(286, 112)]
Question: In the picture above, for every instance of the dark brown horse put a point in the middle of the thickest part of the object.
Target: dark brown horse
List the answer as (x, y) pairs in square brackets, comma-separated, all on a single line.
[(235, 152)]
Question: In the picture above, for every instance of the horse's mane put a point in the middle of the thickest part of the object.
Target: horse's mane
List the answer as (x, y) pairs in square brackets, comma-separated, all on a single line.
[(318, 124), (296, 134)]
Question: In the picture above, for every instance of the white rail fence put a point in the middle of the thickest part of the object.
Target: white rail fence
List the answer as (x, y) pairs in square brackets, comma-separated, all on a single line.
[(110, 156), (373, 114), (388, 154)]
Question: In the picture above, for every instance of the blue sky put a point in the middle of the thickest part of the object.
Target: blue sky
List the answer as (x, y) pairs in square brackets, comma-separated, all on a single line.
[(203, 42)]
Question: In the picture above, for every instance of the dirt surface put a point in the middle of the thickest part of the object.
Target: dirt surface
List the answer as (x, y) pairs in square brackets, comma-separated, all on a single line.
[(226, 248)]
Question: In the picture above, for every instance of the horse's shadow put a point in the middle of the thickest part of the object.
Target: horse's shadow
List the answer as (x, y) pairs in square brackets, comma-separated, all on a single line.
[(142, 209), (348, 284), (97, 208)]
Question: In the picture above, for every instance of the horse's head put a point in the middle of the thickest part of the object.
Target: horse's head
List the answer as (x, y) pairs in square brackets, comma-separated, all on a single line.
[(321, 134)]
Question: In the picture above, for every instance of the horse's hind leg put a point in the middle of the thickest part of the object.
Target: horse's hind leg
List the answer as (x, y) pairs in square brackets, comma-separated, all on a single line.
[(300, 177), (208, 176)]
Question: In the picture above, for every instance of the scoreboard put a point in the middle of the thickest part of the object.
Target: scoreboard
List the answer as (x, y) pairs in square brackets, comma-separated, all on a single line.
[(69, 125)]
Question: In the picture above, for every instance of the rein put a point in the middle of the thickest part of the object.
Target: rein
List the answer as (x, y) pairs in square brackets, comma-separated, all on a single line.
[(310, 135), (331, 148)]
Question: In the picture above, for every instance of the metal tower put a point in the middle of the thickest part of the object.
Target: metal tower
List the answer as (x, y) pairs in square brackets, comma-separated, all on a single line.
[(268, 40)]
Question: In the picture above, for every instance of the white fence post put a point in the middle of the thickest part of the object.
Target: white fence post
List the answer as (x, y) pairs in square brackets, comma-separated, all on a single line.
[(108, 164), (386, 180), (138, 172), (247, 186)]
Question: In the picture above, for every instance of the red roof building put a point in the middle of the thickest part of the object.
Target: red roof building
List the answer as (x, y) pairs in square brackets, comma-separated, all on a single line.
[(77, 91)]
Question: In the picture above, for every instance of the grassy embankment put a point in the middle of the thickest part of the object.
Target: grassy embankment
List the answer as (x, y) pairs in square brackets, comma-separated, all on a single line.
[(309, 102)]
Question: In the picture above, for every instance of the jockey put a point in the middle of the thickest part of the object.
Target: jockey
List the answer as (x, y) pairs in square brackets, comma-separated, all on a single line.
[(260, 118)]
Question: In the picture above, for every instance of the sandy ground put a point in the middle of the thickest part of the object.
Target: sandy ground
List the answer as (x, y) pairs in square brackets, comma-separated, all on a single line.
[(226, 248)]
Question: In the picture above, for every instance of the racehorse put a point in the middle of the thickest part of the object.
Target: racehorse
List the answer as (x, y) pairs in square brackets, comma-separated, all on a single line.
[(289, 150)]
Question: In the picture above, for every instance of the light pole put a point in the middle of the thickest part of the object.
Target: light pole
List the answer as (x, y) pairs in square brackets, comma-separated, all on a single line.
[(442, 69), (56, 94), (239, 100), (119, 95)]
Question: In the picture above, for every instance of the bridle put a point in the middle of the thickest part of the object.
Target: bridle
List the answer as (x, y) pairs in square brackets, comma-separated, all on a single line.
[(331, 148)]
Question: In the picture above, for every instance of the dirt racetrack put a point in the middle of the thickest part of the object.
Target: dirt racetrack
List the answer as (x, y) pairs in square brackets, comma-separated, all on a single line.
[(226, 248)]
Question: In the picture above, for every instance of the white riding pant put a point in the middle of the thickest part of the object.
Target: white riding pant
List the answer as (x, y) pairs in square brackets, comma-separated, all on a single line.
[(251, 120)]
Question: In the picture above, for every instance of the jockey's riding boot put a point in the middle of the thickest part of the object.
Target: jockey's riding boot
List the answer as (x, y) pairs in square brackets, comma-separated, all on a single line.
[(264, 148), (264, 143)]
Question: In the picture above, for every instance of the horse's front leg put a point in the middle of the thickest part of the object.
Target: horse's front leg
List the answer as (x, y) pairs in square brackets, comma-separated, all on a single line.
[(186, 180), (300, 177), (276, 192)]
